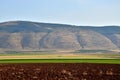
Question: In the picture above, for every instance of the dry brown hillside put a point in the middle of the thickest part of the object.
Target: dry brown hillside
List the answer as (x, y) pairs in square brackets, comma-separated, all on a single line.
[(21, 35)]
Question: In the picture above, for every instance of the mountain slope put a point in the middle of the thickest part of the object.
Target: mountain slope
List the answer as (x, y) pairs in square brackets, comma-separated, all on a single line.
[(25, 35)]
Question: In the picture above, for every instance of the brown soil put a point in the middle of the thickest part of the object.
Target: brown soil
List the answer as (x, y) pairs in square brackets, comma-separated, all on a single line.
[(60, 71)]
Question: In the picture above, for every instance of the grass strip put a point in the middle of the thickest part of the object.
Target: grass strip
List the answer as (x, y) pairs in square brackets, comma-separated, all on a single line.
[(106, 61)]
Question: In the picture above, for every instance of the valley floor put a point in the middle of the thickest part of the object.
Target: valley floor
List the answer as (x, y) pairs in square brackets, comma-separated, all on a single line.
[(60, 56)]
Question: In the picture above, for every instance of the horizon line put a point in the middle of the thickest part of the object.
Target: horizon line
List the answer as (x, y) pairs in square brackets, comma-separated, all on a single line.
[(57, 23)]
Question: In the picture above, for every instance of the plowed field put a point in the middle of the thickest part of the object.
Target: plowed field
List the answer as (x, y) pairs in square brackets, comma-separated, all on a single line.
[(60, 71)]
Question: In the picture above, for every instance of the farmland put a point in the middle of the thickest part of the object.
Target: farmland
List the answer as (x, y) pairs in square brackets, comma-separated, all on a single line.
[(105, 61), (59, 66), (60, 57), (59, 71)]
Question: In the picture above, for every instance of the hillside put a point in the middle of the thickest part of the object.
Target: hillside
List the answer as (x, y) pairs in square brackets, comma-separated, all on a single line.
[(25, 35)]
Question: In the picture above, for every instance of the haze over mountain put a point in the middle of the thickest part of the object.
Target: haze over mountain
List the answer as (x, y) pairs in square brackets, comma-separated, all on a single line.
[(25, 35)]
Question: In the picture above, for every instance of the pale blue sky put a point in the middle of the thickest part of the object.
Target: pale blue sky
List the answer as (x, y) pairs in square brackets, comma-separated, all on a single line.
[(76, 12)]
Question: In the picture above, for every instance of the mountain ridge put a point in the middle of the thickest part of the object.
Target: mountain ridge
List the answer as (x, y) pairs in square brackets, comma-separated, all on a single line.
[(27, 35)]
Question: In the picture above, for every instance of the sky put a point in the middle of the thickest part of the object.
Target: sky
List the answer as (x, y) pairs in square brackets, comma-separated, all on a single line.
[(75, 12)]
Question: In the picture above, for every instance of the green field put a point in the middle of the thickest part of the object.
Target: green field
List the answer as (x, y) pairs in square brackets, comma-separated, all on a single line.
[(60, 57), (108, 61)]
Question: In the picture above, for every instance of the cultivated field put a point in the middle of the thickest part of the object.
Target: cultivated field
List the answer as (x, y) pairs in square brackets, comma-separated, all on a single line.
[(59, 56), (105, 61), (66, 57), (57, 71), (59, 66)]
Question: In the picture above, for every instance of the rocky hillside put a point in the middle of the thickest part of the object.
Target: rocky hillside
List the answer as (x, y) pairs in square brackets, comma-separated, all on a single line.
[(25, 35)]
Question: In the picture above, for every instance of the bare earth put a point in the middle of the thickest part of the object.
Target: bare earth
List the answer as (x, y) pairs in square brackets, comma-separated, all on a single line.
[(60, 71)]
